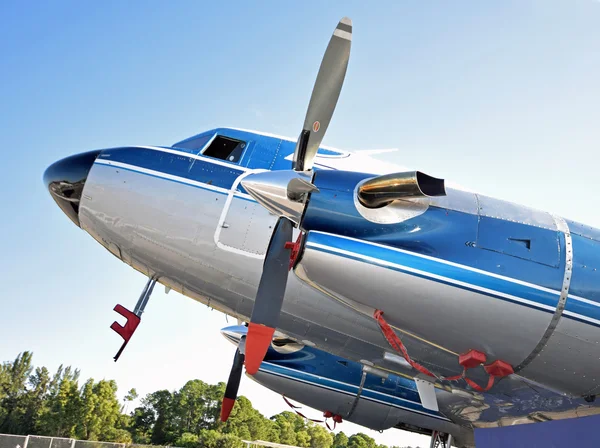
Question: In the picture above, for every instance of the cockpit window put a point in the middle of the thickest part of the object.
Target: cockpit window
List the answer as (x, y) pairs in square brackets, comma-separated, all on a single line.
[(225, 148)]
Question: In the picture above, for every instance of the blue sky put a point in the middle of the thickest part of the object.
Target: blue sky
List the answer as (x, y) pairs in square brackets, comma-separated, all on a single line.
[(501, 97)]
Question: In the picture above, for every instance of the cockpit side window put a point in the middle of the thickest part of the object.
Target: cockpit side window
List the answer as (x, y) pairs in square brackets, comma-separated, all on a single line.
[(225, 148)]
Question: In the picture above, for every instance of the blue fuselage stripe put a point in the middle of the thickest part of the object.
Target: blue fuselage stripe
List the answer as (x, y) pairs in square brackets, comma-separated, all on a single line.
[(430, 268), (531, 296), (347, 389), (182, 166)]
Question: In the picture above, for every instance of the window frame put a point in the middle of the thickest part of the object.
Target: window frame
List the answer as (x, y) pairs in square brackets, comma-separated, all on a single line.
[(212, 139)]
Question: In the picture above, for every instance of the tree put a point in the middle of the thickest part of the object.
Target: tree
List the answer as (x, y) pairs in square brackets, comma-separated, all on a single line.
[(287, 434), (272, 432), (292, 427), (303, 438), (208, 438), (34, 402), (88, 428), (229, 441), (14, 384), (60, 419), (190, 407), (117, 435), (286, 427), (246, 422), (187, 440), (142, 422), (298, 423), (107, 411), (161, 402), (132, 395), (213, 396), (340, 440), (319, 437), (361, 440), (36, 399), (99, 416)]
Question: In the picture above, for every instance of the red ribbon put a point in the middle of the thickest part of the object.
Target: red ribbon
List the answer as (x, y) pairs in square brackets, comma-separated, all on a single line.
[(393, 339), (327, 414)]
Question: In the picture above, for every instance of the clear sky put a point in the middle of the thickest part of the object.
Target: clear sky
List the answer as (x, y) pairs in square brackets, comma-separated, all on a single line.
[(502, 97)]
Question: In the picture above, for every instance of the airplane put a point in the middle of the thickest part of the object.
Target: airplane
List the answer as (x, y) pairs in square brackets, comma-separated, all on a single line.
[(495, 303)]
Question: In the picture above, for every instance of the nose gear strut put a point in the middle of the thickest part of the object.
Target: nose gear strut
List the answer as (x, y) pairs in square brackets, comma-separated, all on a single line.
[(133, 318)]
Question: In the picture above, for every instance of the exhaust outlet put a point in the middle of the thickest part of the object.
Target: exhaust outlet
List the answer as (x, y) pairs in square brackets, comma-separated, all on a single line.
[(383, 190)]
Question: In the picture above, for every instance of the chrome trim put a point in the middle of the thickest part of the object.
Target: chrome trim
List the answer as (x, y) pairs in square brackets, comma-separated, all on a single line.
[(398, 211), (383, 190)]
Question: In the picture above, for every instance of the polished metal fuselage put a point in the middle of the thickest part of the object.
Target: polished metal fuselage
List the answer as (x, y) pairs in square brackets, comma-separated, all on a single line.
[(208, 242)]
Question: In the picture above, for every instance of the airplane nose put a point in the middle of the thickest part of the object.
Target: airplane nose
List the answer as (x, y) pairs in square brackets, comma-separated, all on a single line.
[(65, 180)]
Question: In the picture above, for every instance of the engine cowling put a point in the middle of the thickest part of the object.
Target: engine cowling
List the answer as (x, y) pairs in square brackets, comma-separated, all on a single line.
[(350, 390)]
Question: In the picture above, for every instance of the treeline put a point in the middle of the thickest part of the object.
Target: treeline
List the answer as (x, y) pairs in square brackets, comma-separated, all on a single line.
[(33, 401)]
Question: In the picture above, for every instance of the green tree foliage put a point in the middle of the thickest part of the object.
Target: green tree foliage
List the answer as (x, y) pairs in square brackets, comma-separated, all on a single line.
[(246, 422), (142, 422), (32, 401), (229, 441), (208, 438), (14, 380), (319, 437), (36, 399), (293, 429), (161, 402), (211, 438), (187, 440), (302, 438), (132, 395), (63, 404), (361, 440), (340, 440), (197, 405)]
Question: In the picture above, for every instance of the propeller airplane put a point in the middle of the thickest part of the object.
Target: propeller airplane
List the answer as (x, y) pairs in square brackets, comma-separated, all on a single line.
[(471, 312)]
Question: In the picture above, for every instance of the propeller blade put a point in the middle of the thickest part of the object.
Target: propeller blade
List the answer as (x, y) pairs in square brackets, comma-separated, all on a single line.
[(324, 96), (233, 385), (298, 188), (269, 297)]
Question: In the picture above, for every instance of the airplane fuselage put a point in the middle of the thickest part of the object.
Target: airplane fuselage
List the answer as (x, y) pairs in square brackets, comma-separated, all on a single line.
[(451, 274)]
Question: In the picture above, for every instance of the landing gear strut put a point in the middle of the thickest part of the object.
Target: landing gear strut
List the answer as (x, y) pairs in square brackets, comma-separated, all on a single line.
[(133, 318), (440, 440)]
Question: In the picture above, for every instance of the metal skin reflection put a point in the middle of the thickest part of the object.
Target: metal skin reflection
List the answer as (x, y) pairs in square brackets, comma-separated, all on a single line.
[(187, 220)]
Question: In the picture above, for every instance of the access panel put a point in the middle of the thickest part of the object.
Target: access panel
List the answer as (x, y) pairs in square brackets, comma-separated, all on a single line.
[(519, 240)]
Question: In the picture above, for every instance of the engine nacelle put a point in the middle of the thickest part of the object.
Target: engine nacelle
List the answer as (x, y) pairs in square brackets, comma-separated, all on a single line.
[(360, 394)]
